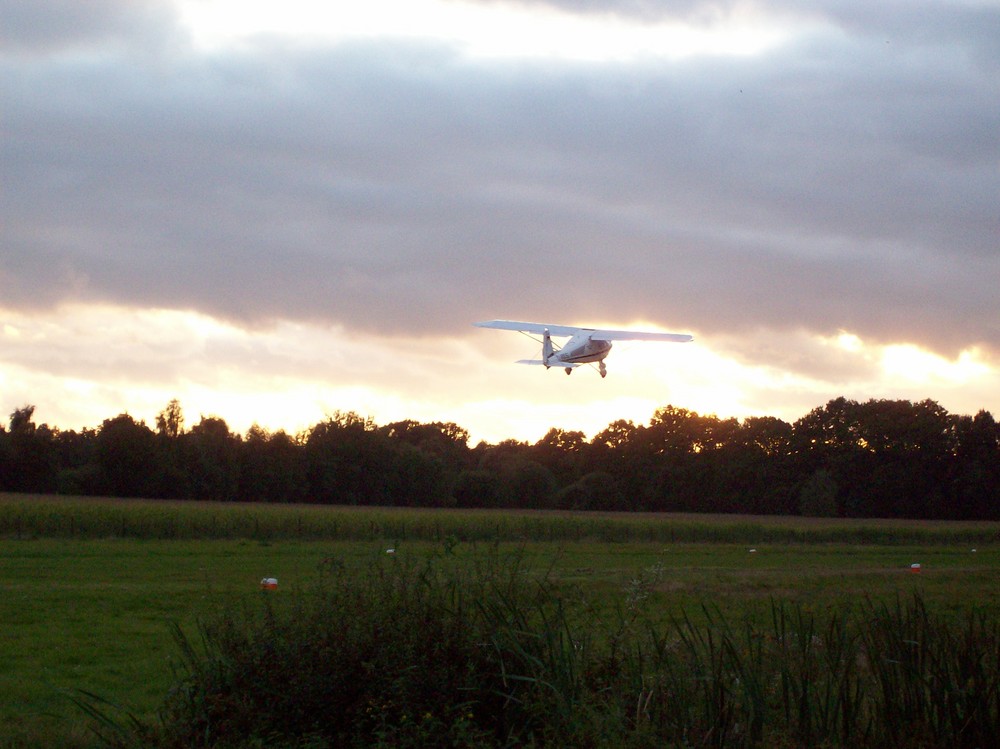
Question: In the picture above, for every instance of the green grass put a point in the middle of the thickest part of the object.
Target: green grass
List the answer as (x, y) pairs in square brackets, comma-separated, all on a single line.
[(439, 653), (91, 610)]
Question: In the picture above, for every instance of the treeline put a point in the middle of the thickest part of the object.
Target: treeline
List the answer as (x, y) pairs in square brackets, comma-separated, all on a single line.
[(881, 458)]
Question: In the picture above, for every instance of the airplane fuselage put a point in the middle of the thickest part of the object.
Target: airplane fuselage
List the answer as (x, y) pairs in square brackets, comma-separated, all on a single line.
[(580, 349)]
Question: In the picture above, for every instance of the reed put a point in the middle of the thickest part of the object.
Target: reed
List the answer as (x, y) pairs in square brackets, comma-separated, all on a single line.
[(438, 654)]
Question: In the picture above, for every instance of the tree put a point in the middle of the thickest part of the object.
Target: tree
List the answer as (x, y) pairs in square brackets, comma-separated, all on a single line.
[(526, 484), (348, 461), (881, 458), (477, 488), (418, 479), (443, 440), (975, 477), (272, 468), (170, 421), (619, 451), (594, 491), (6, 461), (818, 496), (674, 431), (681, 478), (21, 420), (211, 460), (889, 458), (758, 467), (127, 457), (30, 455), (75, 456), (617, 435), (562, 452), (770, 436)]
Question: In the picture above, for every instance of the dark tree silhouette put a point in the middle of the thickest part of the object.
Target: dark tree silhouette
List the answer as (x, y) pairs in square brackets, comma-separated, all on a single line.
[(29, 460), (878, 458), (127, 458), (170, 421)]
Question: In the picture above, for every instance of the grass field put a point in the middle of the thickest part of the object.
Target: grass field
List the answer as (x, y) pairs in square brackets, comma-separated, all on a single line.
[(88, 587)]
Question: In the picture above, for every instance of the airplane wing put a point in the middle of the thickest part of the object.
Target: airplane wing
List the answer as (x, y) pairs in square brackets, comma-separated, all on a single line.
[(539, 362), (639, 335), (529, 327), (597, 334)]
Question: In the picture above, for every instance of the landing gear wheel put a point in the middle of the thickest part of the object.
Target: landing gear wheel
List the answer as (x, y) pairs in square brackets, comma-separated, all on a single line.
[(603, 370), (569, 370)]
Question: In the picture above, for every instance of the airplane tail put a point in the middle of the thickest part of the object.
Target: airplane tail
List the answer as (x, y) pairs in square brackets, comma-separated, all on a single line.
[(547, 349)]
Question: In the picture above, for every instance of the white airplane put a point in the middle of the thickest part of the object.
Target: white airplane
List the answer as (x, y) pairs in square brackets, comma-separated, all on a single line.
[(585, 345)]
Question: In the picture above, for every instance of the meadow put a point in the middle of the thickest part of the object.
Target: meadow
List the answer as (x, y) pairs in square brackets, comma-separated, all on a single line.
[(92, 587)]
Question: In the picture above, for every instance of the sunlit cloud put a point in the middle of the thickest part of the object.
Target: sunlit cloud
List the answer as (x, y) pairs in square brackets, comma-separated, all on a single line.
[(485, 30), (919, 366), (849, 342), (913, 364), (82, 364)]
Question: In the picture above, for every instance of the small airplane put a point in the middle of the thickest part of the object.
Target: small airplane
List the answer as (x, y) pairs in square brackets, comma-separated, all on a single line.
[(585, 345)]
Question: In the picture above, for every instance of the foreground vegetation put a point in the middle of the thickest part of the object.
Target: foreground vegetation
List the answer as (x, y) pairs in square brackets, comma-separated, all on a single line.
[(846, 459), (431, 654), (566, 629)]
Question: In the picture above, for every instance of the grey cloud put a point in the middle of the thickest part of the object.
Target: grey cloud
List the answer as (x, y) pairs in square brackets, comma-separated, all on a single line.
[(914, 18), (835, 183), (45, 26)]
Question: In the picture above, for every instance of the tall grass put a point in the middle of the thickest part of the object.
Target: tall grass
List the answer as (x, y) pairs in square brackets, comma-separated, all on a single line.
[(934, 681), (440, 654), (60, 517)]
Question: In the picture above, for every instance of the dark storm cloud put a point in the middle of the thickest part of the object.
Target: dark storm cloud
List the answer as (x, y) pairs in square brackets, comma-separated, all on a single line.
[(837, 182)]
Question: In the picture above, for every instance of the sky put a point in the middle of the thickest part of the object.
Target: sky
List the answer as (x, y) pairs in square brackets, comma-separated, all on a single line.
[(274, 212)]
